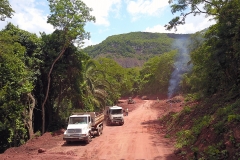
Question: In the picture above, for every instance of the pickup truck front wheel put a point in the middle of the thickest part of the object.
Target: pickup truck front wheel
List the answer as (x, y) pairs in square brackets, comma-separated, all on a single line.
[(89, 138)]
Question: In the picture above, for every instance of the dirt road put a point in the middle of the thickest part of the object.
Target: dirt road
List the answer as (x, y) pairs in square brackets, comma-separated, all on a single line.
[(140, 138)]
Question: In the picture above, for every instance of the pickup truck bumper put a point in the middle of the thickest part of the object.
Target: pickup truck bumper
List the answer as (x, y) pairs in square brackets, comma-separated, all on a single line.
[(74, 138), (117, 122)]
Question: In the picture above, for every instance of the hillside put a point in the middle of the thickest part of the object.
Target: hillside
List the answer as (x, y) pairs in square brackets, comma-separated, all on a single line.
[(205, 128), (135, 48)]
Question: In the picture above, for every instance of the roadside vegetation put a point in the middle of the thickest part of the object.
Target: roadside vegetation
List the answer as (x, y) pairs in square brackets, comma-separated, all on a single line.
[(208, 125), (46, 78)]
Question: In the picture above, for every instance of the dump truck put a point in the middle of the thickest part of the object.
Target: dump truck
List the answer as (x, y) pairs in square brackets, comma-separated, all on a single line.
[(114, 115), (84, 126)]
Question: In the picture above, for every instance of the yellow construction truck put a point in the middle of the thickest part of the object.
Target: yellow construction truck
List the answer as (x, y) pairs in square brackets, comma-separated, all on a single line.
[(84, 126)]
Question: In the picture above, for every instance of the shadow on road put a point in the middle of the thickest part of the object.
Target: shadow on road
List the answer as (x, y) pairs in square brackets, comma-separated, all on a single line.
[(159, 140), (77, 143)]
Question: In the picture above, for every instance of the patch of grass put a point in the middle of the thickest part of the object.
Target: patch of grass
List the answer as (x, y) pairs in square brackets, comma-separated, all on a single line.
[(37, 134), (229, 111), (184, 138), (186, 109), (174, 116), (213, 152), (192, 97), (234, 118), (200, 123), (220, 127), (225, 111), (195, 149), (167, 136), (188, 137)]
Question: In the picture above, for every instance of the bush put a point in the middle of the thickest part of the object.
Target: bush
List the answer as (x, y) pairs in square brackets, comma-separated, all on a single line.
[(234, 118), (186, 109), (184, 138), (219, 127)]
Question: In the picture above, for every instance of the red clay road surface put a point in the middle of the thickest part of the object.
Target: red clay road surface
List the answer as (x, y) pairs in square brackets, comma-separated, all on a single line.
[(140, 138)]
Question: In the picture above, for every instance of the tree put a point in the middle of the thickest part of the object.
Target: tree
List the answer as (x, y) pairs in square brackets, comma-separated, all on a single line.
[(156, 73), (19, 63), (69, 16), (210, 8), (12, 71), (5, 10), (94, 87), (65, 79), (216, 59), (114, 75)]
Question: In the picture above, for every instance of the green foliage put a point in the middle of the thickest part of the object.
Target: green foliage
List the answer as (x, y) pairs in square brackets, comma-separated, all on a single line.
[(187, 7), (228, 113), (188, 137), (184, 138), (186, 109), (220, 127), (175, 116), (70, 17), (156, 73), (215, 59), (38, 134), (5, 10), (234, 117), (130, 44), (19, 61), (94, 87), (167, 136), (214, 152), (118, 79), (135, 45), (74, 81), (200, 123)]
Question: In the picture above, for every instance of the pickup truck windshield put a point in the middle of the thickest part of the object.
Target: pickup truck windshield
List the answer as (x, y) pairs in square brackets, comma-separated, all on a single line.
[(116, 111), (78, 120)]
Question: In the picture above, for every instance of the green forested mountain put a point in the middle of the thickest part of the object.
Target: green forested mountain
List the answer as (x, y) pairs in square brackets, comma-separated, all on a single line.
[(135, 48)]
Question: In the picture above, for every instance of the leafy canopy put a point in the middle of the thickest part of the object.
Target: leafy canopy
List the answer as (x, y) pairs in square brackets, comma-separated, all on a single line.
[(195, 7), (5, 10), (70, 16)]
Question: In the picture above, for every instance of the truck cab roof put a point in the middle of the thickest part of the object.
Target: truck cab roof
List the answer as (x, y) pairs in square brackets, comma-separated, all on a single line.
[(115, 107), (79, 115)]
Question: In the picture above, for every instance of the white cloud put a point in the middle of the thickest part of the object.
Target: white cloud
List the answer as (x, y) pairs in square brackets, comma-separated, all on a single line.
[(102, 9), (158, 28), (88, 43), (192, 25), (31, 15), (146, 7), (28, 17)]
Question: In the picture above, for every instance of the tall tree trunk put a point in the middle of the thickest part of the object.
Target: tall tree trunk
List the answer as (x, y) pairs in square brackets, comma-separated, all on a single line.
[(48, 86), (30, 115)]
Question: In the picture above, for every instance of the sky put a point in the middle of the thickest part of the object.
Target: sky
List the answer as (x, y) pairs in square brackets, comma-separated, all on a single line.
[(113, 17)]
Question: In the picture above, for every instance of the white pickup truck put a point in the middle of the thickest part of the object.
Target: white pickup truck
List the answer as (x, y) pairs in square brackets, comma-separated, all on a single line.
[(83, 126), (114, 115)]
